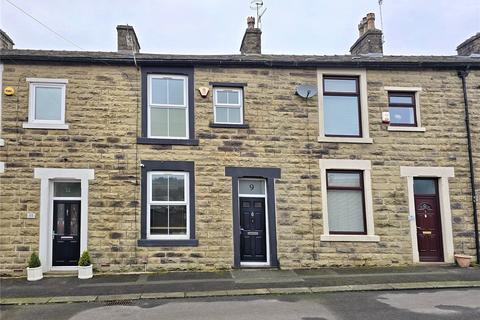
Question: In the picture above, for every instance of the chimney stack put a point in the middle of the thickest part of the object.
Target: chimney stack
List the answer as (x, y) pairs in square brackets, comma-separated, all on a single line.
[(370, 41), (127, 39), (252, 40), (470, 47), (5, 41)]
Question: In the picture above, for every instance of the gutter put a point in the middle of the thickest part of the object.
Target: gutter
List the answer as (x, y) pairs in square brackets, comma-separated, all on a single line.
[(463, 75)]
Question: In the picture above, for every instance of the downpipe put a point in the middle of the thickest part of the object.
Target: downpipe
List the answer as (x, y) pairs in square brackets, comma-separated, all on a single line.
[(463, 75)]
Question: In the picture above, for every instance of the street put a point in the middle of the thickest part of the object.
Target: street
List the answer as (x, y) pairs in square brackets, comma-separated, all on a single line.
[(391, 305)]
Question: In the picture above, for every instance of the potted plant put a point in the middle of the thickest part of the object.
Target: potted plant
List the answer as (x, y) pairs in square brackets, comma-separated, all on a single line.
[(34, 269), (85, 270), (462, 260)]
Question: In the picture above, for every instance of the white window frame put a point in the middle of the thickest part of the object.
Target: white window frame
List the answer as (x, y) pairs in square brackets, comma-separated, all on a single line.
[(362, 82), (186, 202), (151, 105), (442, 173), (33, 123), (365, 167), (416, 91), (227, 105)]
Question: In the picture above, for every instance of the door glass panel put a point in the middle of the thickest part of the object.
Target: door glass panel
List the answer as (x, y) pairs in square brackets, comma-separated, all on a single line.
[(48, 103), (246, 204), (67, 189), (424, 186), (341, 116), (258, 204), (345, 211), (74, 219), (60, 224), (250, 186)]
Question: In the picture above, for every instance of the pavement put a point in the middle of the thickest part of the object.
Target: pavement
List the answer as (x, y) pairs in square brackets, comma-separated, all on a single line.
[(244, 282), (452, 304)]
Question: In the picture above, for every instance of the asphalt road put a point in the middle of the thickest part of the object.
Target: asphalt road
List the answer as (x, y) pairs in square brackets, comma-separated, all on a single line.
[(391, 305)]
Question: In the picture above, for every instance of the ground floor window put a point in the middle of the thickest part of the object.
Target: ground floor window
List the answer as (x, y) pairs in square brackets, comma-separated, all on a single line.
[(168, 203)]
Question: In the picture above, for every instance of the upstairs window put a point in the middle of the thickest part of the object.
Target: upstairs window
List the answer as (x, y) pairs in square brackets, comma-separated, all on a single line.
[(228, 105), (401, 106), (167, 106), (341, 106), (46, 106)]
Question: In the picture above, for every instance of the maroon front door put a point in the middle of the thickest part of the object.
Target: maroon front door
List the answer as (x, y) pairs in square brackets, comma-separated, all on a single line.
[(429, 225)]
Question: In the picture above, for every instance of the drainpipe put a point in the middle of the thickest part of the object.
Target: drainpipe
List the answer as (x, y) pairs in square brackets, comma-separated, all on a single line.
[(463, 75)]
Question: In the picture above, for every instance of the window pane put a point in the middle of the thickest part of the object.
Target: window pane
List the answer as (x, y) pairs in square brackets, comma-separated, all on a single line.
[(175, 92), (248, 186), (341, 116), (401, 99), (67, 189), (222, 97), (234, 115), (178, 123), (159, 122), (402, 115), (158, 219), (178, 219), (159, 188), (221, 114), (176, 188), (48, 103), (233, 97), (340, 85), (336, 179), (345, 211), (424, 186), (159, 91)]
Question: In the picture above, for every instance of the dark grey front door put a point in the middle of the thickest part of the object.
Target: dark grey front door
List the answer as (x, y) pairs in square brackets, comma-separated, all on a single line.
[(252, 230), (66, 233)]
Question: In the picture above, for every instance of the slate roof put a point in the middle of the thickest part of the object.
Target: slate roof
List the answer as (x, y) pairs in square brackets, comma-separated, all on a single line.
[(263, 60)]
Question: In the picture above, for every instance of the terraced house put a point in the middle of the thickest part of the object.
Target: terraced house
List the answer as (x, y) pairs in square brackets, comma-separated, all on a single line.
[(196, 162)]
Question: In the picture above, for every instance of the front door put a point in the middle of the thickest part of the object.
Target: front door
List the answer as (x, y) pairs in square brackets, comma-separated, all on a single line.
[(429, 226), (66, 233), (252, 230)]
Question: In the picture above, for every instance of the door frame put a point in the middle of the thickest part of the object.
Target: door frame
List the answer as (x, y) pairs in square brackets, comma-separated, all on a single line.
[(47, 177), (267, 243), (269, 174), (442, 174)]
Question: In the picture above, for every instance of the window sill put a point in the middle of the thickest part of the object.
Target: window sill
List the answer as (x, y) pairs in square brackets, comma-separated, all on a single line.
[(167, 243), (349, 238), (186, 142), (28, 125), (345, 140), (411, 129), (229, 125)]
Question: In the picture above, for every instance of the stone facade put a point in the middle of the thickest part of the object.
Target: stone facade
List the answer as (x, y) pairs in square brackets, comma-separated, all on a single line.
[(103, 111)]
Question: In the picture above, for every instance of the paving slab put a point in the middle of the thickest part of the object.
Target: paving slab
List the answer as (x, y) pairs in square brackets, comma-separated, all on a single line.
[(247, 292), (163, 295), (196, 294), (371, 287), (330, 289), (27, 300), (289, 290)]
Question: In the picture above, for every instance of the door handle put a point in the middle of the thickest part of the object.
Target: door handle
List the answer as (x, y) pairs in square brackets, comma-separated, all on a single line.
[(241, 229)]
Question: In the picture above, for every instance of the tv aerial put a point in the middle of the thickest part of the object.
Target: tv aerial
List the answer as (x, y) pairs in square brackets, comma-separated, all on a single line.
[(306, 91), (258, 5)]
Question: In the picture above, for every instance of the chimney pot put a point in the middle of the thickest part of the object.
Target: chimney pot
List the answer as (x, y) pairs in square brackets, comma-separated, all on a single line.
[(370, 40), (371, 21), (252, 39), (5, 41), (127, 40)]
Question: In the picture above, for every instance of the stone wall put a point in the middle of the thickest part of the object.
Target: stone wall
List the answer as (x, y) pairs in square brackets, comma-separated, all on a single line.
[(103, 110)]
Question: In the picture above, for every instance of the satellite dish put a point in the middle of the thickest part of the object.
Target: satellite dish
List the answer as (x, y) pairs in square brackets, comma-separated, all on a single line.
[(306, 91)]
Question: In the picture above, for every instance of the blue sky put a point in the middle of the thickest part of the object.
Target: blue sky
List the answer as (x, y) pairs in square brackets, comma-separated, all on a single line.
[(216, 27)]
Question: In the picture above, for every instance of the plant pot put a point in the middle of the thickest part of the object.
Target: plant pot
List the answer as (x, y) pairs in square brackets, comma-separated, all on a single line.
[(34, 274), (85, 272), (462, 260)]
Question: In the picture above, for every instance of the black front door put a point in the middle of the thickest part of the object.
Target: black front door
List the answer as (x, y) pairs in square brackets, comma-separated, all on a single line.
[(252, 230), (66, 233)]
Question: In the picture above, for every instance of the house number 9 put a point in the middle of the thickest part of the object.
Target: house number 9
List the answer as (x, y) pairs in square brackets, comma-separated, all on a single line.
[(251, 186)]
